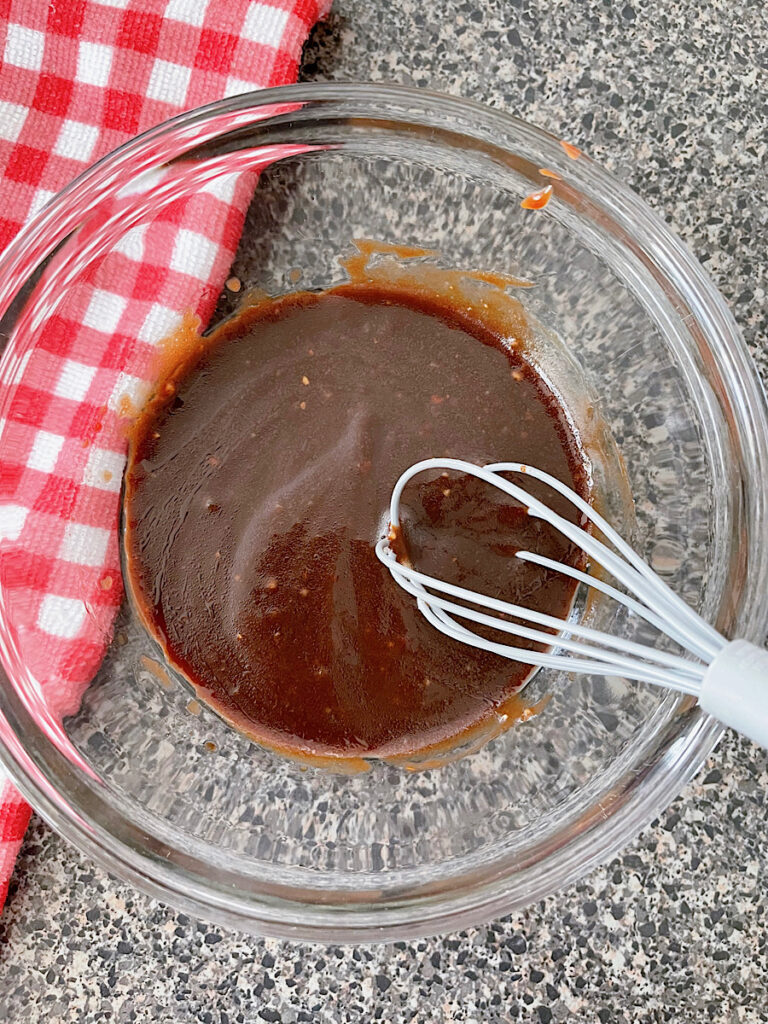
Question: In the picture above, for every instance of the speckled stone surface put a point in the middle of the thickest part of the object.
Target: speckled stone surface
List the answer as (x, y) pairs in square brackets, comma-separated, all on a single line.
[(674, 99)]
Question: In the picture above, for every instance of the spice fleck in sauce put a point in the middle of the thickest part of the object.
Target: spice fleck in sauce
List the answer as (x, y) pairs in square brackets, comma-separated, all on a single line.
[(259, 481)]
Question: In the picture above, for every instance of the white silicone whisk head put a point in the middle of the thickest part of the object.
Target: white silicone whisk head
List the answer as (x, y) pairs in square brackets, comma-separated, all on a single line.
[(730, 679)]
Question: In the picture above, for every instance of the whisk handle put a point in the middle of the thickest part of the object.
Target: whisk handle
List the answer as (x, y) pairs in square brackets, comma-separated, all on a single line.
[(735, 689)]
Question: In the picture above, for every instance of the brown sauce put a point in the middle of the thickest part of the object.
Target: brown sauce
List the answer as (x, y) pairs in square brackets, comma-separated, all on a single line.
[(259, 481)]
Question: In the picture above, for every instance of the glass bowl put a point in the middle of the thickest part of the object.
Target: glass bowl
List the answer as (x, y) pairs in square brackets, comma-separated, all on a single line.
[(161, 791)]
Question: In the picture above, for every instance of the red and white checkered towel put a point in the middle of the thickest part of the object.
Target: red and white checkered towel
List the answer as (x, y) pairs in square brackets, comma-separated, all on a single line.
[(77, 78)]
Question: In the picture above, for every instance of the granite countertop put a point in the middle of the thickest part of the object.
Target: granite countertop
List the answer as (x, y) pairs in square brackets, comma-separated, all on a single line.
[(674, 99)]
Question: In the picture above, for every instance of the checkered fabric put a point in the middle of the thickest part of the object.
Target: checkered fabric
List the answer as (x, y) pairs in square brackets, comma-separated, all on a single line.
[(79, 77)]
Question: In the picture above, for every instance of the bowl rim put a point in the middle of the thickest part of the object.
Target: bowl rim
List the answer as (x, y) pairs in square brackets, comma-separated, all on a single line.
[(487, 892)]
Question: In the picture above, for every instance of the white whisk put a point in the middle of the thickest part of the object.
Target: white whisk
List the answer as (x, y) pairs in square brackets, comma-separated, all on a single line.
[(729, 678)]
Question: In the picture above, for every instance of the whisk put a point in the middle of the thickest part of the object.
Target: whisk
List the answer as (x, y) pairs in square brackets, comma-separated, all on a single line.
[(729, 678)]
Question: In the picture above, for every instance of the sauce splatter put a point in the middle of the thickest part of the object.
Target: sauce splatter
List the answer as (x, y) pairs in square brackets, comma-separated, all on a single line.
[(537, 200), (570, 150)]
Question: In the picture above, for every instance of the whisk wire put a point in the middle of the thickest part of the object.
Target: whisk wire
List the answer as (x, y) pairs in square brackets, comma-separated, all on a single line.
[(596, 583), (416, 583), (686, 627), (604, 666), (662, 591), (687, 675)]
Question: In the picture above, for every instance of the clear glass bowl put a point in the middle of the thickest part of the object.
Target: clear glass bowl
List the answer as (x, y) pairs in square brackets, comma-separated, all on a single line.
[(240, 835)]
